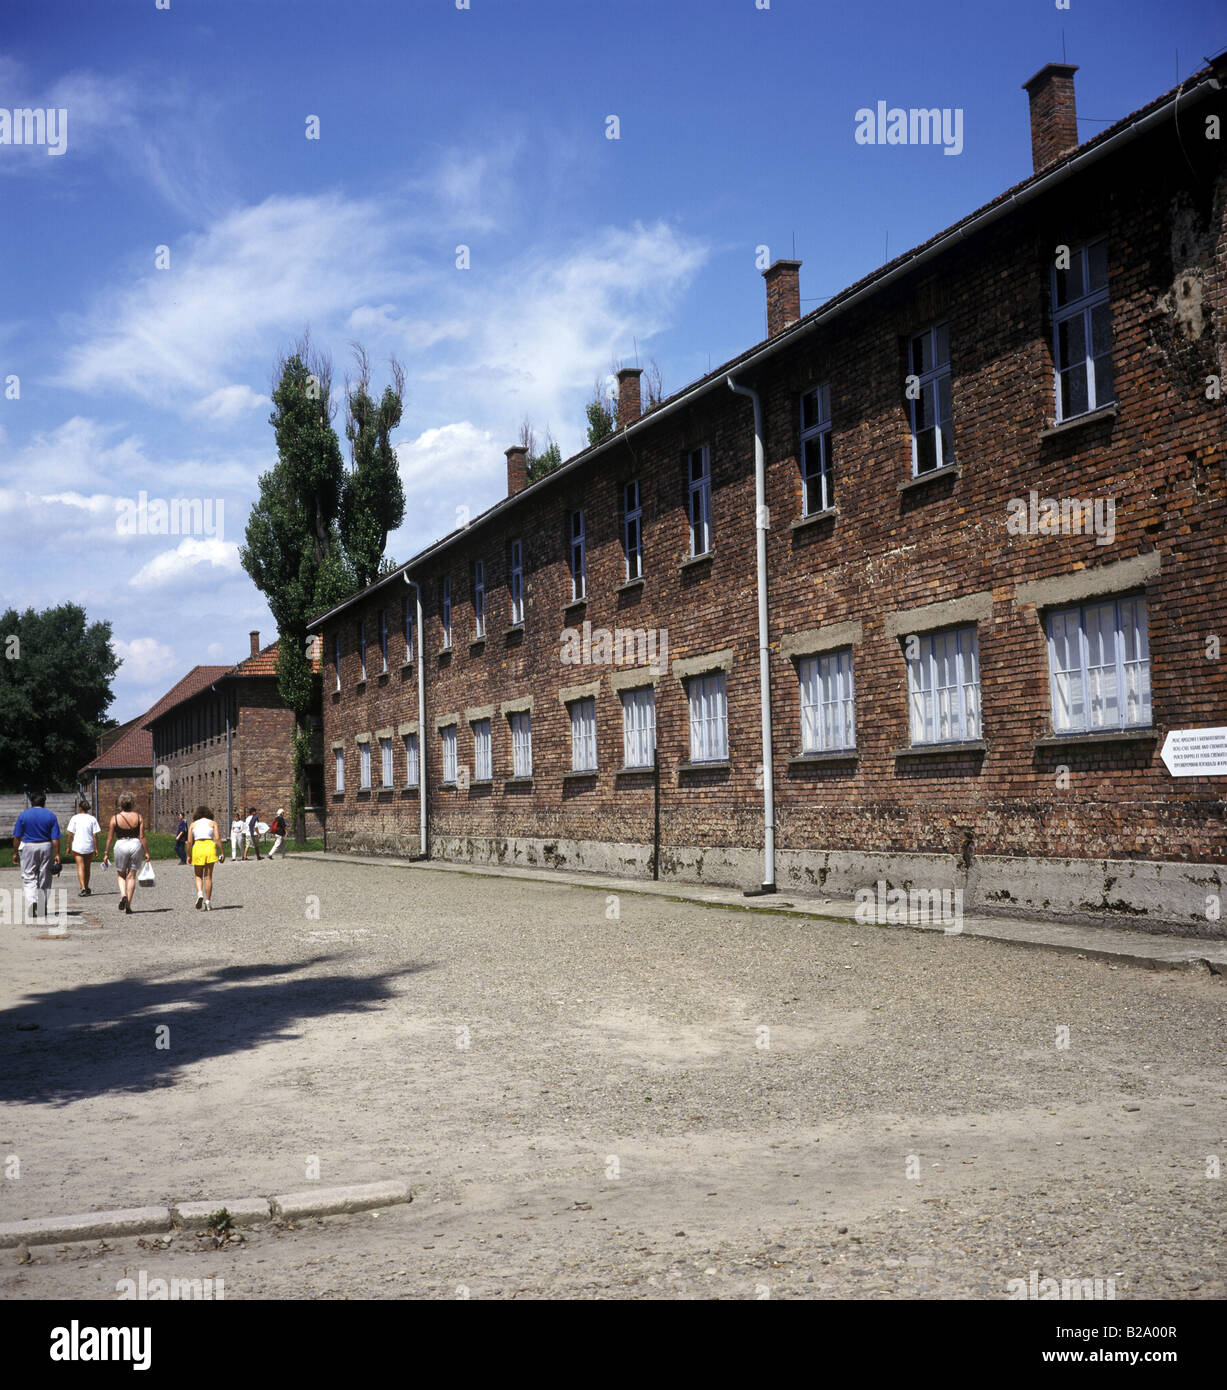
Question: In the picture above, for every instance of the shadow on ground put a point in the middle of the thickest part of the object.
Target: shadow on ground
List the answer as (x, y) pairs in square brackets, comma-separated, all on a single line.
[(91, 1040)]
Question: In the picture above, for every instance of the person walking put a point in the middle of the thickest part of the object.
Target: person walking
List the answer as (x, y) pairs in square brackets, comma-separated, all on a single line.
[(204, 839), (84, 830), (236, 836), (181, 838), (278, 829), (36, 847), (253, 834), (127, 829)]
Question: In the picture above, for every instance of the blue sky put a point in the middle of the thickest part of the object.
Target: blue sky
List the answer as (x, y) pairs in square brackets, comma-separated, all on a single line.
[(439, 127)]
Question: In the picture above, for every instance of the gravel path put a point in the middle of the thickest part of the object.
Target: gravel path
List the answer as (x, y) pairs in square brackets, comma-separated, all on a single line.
[(569, 1082)]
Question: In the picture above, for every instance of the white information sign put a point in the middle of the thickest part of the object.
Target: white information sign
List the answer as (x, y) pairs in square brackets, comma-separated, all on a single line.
[(1196, 752)]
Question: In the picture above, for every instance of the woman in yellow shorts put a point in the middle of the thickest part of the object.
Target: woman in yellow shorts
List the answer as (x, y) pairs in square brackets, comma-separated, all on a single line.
[(204, 844)]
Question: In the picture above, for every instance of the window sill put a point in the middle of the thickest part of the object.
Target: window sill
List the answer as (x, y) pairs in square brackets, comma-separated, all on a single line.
[(514, 629), (827, 514), (575, 604), (634, 771), (338, 796), (364, 791), (406, 666), (382, 678), (841, 755), (692, 560), (519, 781), (410, 791), (724, 766), (1059, 427), (386, 791), (579, 775), (476, 645), (951, 470), (927, 750), (360, 685), (449, 786), (1079, 740), (336, 695), (482, 782), (630, 585), (446, 650)]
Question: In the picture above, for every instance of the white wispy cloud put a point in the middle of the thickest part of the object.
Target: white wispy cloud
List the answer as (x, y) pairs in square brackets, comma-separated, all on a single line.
[(176, 567), (145, 659), (229, 403)]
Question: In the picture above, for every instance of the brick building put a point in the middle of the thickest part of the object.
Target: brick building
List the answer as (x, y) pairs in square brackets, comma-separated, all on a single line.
[(227, 742), (990, 519), (125, 761)]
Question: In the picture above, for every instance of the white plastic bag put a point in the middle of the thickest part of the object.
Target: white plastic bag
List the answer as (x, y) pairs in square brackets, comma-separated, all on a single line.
[(145, 877)]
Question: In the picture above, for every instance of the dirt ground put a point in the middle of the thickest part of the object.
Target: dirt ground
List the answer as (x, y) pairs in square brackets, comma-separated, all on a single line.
[(601, 1097)]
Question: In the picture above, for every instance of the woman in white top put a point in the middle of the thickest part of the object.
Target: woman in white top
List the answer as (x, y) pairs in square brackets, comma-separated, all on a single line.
[(237, 831), (84, 830), (206, 848)]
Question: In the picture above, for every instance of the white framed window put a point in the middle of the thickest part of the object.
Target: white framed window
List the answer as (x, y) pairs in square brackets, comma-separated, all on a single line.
[(408, 623), (709, 718), (483, 766), (1082, 332), (338, 757), (579, 558), (385, 761), (931, 400), (447, 737), (479, 598), (944, 687), (445, 610), (583, 735), (1099, 665), (364, 766), (828, 719), (638, 727), (362, 647), (336, 657), (632, 531), (411, 760), (383, 638), (521, 744), (817, 463), (517, 583), (698, 471)]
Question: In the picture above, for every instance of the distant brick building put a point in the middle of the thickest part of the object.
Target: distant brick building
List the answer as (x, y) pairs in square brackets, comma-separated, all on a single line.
[(992, 515), (227, 742), (125, 761)]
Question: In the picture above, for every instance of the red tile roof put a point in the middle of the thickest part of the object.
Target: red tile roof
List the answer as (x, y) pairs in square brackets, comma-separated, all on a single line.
[(134, 748), (264, 663)]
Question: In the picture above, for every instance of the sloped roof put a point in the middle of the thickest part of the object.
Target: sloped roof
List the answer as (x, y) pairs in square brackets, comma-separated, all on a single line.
[(264, 663), (134, 747)]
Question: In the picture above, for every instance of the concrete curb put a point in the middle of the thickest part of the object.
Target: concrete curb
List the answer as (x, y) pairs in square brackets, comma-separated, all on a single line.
[(246, 1211)]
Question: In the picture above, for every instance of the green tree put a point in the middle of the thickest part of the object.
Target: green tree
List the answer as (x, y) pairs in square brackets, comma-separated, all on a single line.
[(539, 464), (372, 495), (601, 418), (55, 686), (293, 551)]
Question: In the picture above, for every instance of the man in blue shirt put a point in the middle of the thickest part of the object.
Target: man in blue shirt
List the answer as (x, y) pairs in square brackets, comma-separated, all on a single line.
[(36, 846)]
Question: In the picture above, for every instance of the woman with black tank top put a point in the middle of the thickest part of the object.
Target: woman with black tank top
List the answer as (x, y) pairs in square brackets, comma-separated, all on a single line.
[(127, 829)]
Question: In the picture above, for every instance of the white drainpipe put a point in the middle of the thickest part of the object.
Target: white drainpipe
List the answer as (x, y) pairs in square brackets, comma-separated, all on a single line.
[(761, 524), (417, 592)]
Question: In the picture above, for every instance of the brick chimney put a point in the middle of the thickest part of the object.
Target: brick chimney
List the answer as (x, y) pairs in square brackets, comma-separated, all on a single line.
[(517, 469), (1054, 115), (783, 295), (630, 403), (255, 642)]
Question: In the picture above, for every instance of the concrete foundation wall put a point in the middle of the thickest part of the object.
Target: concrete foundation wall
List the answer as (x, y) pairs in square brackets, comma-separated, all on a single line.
[(1145, 894)]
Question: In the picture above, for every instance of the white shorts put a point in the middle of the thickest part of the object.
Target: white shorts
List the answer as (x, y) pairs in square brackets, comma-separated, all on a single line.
[(127, 856)]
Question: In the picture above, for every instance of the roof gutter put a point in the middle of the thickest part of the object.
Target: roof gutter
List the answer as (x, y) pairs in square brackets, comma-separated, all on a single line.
[(976, 222)]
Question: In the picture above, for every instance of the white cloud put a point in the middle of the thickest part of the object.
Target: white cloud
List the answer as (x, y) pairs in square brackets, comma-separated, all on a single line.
[(175, 567), (144, 658), (228, 403)]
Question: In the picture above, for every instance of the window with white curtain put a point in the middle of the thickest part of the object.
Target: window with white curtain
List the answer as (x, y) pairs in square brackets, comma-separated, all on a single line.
[(522, 744), (517, 583), (932, 404), (944, 687), (709, 719), (479, 598), (362, 647), (385, 761), (638, 727), (339, 760), (336, 657), (445, 610), (411, 760), (1082, 332), (447, 737), (583, 735), (579, 558), (364, 766), (698, 466), (383, 637), (408, 619), (482, 762), (632, 531), (828, 723), (1099, 660)]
